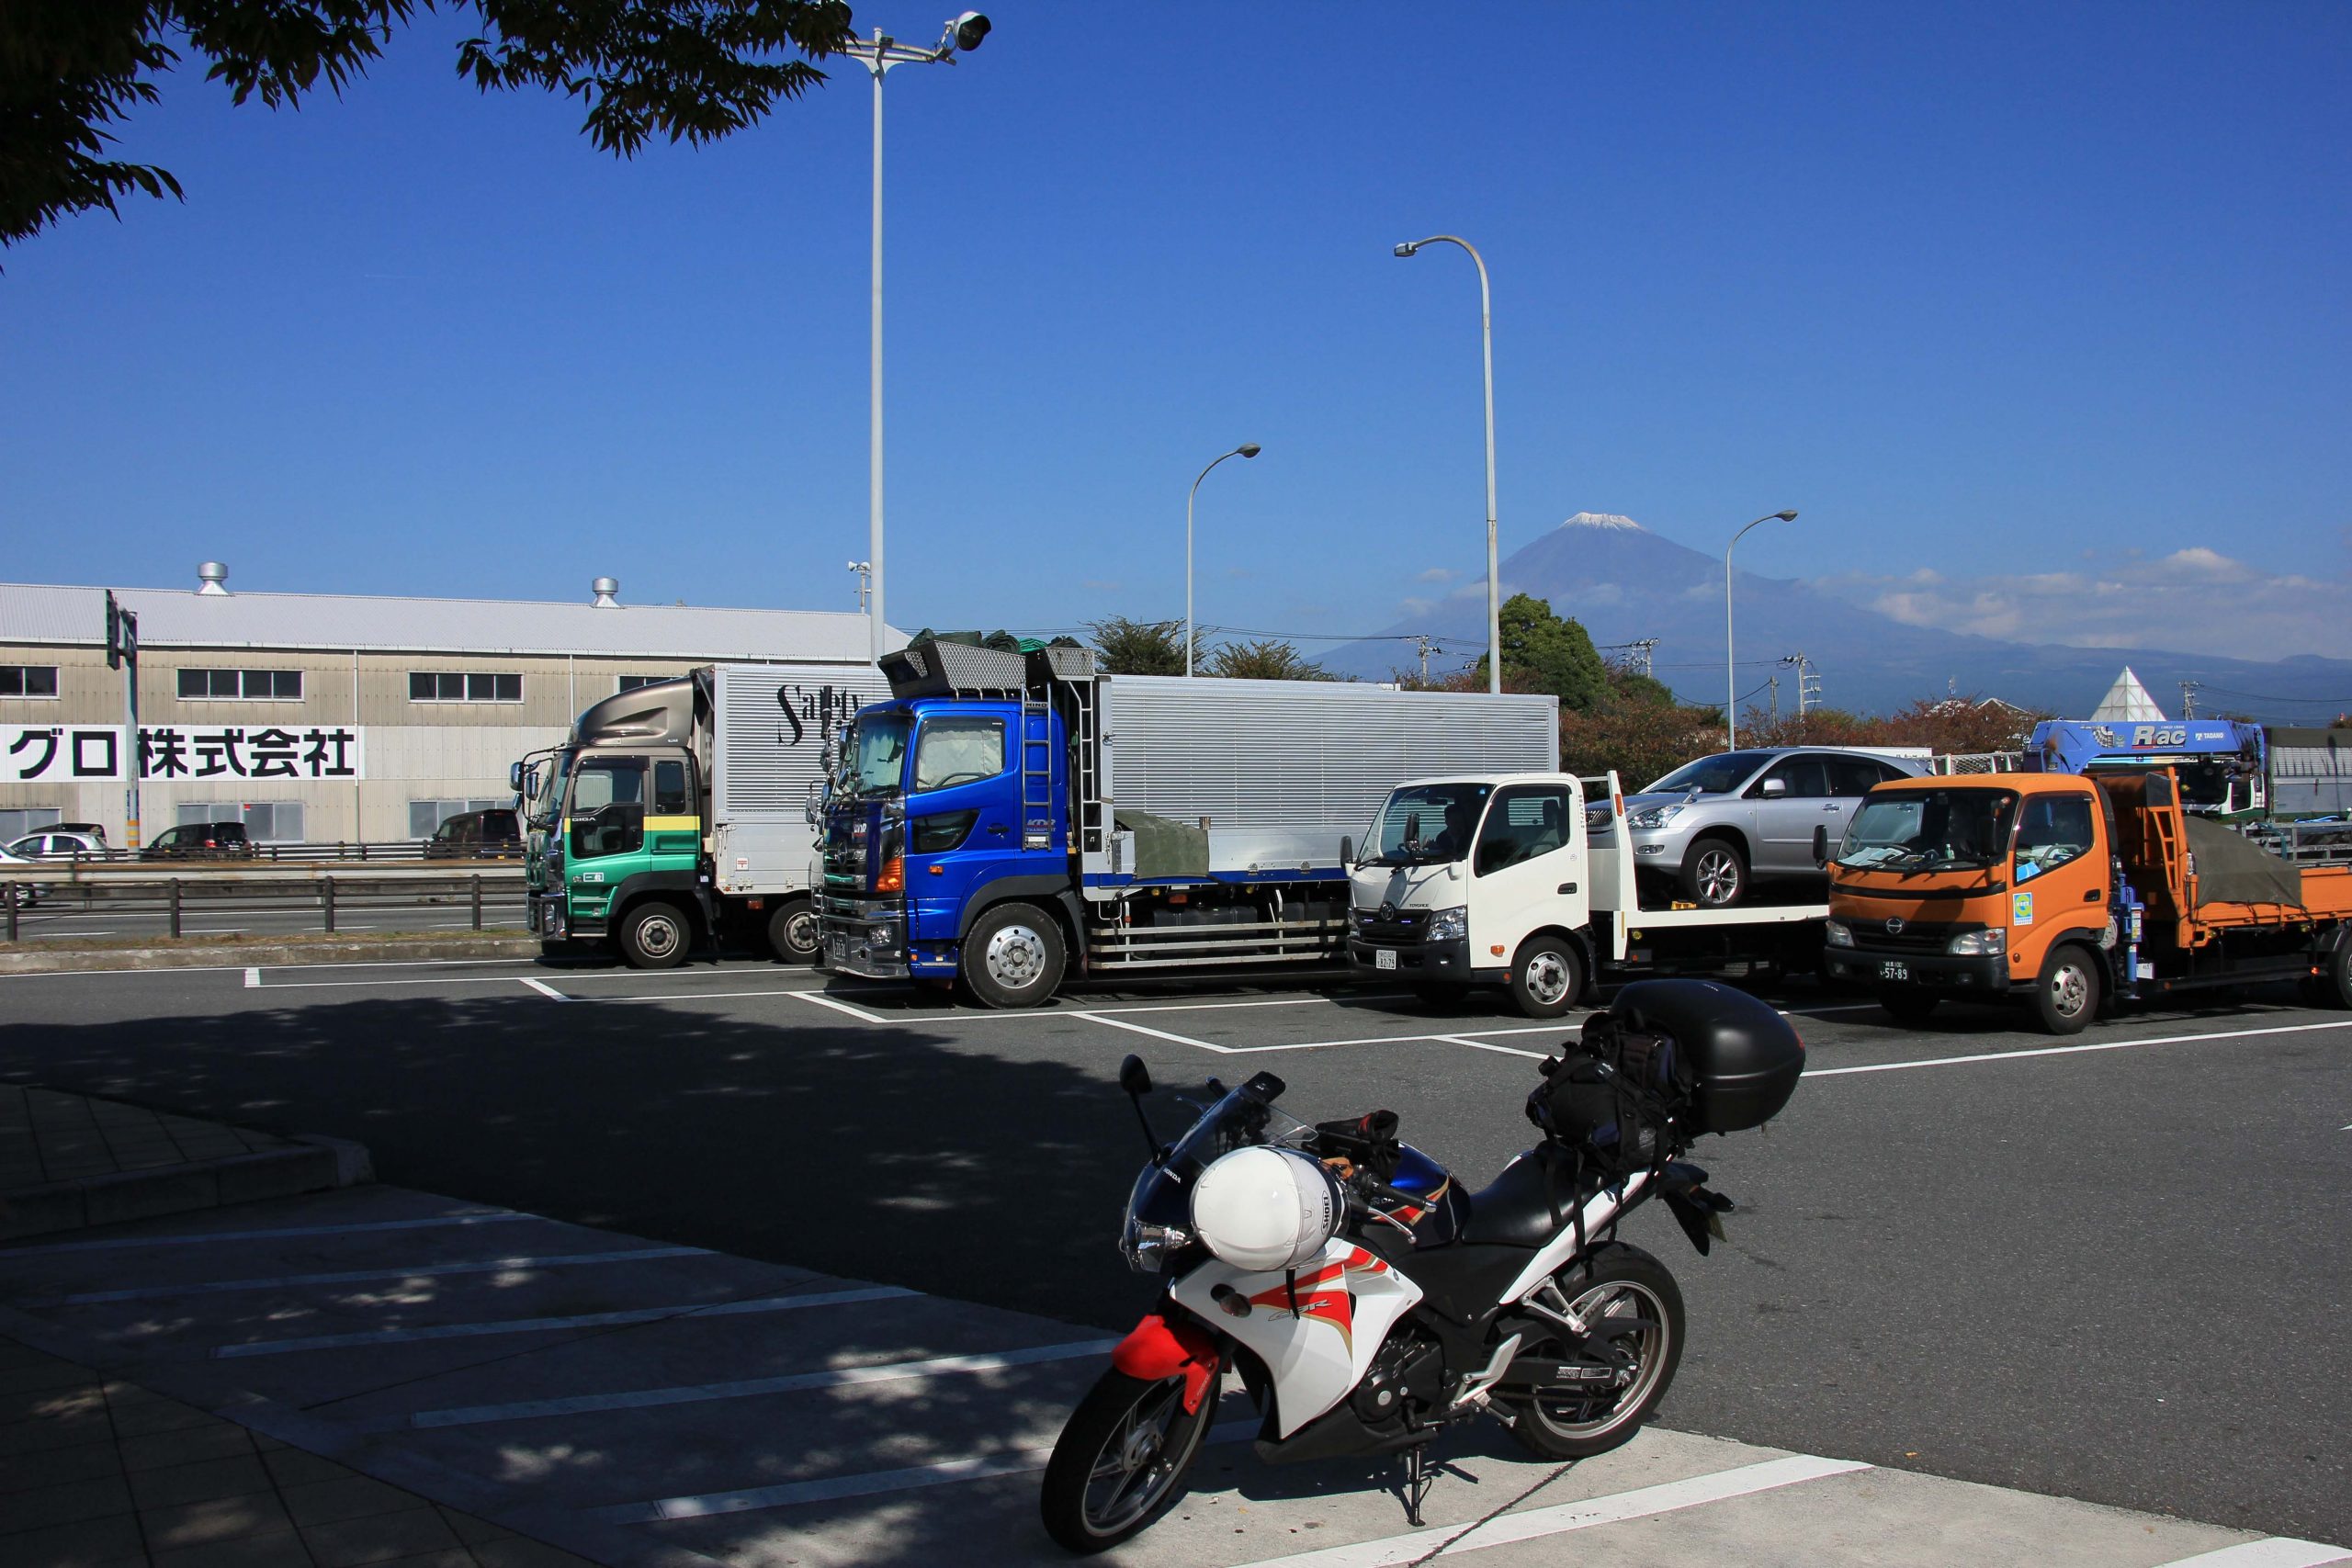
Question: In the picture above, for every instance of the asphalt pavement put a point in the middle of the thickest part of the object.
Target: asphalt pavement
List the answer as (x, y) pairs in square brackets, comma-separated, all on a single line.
[(2111, 1267)]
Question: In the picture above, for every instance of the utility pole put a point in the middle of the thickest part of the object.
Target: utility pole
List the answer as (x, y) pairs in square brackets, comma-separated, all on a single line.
[(2188, 699), (864, 570), (1427, 646), (1808, 685), (123, 653), (1776, 696)]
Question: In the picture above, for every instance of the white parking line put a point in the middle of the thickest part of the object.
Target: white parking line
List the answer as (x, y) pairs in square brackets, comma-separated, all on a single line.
[(825, 1002), (696, 1394), (558, 1324), (2278, 1552), (1483, 1045), (1262, 1003), (2074, 1050), (1154, 1033), (207, 1238), (361, 1276), (1448, 1540), (544, 988), (348, 985), (252, 978), (866, 1483)]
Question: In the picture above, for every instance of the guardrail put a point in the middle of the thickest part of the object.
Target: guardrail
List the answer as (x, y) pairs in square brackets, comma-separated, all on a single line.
[(394, 850), (477, 899)]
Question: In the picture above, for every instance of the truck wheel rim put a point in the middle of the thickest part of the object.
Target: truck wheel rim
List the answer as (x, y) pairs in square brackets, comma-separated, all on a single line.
[(1718, 876), (658, 936), (2069, 989), (800, 933), (1016, 956), (1547, 978)]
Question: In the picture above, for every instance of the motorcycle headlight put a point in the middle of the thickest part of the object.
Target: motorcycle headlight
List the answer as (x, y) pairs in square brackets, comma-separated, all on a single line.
[(1652, 817), (1837, 933), (1980, 943), (1448, 925), (1147, 1247)]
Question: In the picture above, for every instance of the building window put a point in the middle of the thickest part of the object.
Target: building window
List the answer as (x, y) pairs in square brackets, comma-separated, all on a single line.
[(243, 685), (426, 817), (631, 682), (35, 680), (18, 821), (267, 821), (453, 686)]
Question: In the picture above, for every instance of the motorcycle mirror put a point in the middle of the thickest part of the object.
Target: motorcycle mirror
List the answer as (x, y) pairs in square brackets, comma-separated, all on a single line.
[(1135, 1078), (1820, 845)]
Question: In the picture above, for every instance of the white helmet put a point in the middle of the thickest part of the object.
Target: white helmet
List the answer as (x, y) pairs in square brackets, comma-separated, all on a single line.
[(1265, 1208)]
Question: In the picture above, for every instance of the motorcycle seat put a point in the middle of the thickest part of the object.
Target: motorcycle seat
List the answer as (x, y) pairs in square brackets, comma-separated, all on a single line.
[(1527, 1204)]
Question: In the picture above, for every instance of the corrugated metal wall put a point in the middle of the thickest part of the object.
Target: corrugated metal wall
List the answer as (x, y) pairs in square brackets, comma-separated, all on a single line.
[(773, 720), (1277, 754)]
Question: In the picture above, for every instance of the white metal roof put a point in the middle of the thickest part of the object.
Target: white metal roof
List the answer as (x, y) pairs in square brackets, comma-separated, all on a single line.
[(41, 613)]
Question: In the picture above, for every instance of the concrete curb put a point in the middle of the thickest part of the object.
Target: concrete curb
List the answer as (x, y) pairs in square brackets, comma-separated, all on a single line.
[(227, 955), (314, 1164)]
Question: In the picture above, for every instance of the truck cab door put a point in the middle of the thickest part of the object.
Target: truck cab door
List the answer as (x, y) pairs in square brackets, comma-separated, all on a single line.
[(964, 825), (2058, 879), (1527, 869)]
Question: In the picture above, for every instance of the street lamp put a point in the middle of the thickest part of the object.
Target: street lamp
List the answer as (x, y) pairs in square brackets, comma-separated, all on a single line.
[(1731, 673), (878, 54), (1487, 340), (1247, 449)]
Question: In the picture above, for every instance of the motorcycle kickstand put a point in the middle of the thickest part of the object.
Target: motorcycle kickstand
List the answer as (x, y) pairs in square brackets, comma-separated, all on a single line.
[(1418, 1479)]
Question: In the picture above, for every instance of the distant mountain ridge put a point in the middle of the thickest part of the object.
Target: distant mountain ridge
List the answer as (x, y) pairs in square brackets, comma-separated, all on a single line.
[(1625, 583)]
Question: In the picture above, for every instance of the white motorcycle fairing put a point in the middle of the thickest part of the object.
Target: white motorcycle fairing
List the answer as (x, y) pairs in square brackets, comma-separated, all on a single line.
[(1348, 1300)]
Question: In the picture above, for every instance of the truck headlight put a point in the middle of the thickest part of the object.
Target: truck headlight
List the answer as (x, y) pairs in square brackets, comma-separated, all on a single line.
[(1837, 933), (1980, 943), (1654, 816), (1448, 925)]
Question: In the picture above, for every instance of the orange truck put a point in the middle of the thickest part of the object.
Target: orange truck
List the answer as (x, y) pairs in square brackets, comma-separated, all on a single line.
[(2068, 894)]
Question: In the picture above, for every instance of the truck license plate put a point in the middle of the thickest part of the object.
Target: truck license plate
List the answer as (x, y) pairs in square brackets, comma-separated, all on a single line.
[(837, 945), (1892, 969), (1384, 958)]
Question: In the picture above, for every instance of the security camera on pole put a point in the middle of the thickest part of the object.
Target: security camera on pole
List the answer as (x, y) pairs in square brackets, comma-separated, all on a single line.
[(878, 54)]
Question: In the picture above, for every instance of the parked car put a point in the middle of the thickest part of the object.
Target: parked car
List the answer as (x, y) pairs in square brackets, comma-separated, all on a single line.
[(496, 834), (199, 840), (28, 893), (1722, 824)]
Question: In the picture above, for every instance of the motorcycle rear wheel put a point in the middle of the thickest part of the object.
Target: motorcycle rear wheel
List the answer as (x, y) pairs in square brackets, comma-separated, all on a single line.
[(1121, 1458), (1576, 1421)]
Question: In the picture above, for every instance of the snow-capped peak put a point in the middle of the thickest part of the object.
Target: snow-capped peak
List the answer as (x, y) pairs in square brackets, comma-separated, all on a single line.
[(1604, 520)]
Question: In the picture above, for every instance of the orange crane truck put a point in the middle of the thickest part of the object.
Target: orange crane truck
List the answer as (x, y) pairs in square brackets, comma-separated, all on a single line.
[(2070, 893)]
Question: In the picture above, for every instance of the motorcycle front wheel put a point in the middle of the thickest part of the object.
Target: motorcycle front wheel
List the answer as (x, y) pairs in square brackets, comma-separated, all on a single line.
[(1121, 1459), (1635, 1309)]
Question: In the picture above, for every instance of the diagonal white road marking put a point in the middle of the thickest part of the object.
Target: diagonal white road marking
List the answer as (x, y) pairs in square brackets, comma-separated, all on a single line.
[(1154, 1033), (2276, 1552), (545, 990), (825, 1002)]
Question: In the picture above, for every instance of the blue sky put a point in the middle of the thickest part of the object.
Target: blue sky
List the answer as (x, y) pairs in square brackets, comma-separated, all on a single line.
[(2002, 294)]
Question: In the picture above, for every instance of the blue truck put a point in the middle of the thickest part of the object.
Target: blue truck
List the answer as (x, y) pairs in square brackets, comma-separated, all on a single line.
[(1007, 819), (2224, 765)]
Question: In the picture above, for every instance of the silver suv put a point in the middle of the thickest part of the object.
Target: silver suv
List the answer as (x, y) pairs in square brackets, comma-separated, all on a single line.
[(1724, 823)]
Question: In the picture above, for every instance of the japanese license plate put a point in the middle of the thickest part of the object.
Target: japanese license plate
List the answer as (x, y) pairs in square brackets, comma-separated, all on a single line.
[(1894, 969), (837, 945), (1384, 958)]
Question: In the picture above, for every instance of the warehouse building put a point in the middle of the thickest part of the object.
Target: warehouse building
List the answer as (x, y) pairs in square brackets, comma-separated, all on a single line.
[(320, 717)]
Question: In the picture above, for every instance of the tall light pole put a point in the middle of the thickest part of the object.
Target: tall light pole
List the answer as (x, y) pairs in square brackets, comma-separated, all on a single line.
[(878, 54), (1247, 449), (1731, 670), (1486, 342)]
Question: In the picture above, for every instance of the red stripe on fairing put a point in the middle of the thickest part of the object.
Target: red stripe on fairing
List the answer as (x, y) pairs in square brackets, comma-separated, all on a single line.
[(1162, 1346)]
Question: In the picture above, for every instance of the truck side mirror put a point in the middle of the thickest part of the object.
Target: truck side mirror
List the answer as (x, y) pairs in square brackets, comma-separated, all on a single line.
[(1820, 845), (530, 786), (1347, 853), (812, 812), (514, 775)]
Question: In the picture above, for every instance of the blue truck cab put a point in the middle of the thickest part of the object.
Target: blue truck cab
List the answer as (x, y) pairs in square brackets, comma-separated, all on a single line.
[(947, 821)]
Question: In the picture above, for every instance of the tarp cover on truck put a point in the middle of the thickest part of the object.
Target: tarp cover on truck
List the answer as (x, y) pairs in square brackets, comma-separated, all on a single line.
[(1164, 847), (2233, 869)]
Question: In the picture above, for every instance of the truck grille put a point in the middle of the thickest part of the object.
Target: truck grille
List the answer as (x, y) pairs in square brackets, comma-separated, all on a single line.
[(1401, 929), (1916, 936)]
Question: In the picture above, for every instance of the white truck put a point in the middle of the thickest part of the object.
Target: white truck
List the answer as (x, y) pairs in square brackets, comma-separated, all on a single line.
[(1526, 881)]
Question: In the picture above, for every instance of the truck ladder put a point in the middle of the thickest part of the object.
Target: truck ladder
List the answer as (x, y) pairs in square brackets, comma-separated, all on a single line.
[(1088, 789), (1036, 775)]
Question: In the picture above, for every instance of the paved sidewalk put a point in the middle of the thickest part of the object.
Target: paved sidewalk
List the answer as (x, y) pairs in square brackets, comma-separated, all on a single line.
[(100, 1473), (72, 1160)]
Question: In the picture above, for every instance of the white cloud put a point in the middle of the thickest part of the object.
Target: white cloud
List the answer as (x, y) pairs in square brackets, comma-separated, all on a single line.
[(1436, 574), (2193, 600)]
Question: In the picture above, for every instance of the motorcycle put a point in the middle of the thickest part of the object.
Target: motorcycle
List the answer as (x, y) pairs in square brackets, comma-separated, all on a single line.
[(1368, 1304)]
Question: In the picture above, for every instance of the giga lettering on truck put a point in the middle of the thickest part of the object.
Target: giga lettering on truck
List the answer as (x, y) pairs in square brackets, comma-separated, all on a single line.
[(679, 811), (1008, 817)]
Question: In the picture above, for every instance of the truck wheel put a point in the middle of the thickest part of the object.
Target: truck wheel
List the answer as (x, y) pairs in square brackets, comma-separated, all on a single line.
[(1546, 977), (792, 932), (2066, 995), (2333, 983), (1909, 1008), (655, 935), (1715, 873), (1012, 956)]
